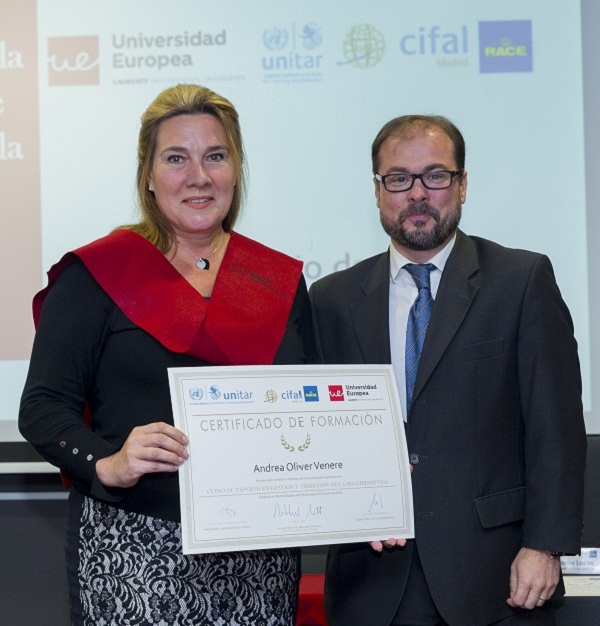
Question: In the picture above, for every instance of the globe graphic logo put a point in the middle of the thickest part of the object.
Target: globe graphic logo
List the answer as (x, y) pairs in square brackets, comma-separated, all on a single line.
[(270, 396), (364, 46)]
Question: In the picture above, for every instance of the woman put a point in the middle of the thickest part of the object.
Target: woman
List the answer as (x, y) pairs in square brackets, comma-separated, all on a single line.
[(180, 288)]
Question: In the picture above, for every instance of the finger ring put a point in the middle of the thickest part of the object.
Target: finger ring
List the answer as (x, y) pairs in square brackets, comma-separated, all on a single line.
[(544, 599)]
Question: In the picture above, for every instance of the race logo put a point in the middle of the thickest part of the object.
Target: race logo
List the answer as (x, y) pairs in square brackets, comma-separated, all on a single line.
[(505, 46), (311, 394), (73, 61), (363, 47), (336, 393)]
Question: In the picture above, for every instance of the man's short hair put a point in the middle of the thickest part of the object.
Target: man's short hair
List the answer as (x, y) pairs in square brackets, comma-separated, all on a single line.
[(411, 126)]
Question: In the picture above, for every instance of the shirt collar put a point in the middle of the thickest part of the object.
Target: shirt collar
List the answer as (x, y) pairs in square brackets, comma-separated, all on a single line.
[(398, 261)]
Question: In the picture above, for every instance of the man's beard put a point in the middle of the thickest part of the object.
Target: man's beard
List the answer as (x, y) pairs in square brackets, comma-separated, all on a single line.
[(420, 238)]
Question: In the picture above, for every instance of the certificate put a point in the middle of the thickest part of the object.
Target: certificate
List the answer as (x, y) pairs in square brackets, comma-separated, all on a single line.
[(290, 456)]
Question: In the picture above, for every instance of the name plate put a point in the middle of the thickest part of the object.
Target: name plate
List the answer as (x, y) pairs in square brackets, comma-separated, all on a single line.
[(290, 456)]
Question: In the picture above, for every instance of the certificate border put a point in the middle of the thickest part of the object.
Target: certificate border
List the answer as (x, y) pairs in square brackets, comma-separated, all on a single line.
[(293, 537)]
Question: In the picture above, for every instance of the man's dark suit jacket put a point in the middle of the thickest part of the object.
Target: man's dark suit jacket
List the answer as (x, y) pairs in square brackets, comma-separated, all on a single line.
[(496, 426)]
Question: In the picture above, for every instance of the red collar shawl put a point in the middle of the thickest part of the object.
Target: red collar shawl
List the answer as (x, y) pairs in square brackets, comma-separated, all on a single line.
[(242, 324)]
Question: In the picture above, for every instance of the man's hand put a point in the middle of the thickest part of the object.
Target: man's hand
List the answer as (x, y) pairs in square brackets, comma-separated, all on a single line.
[(533, 578), (388, 543)]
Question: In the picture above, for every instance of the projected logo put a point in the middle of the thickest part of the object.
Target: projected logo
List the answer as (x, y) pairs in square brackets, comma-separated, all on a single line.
[(449, 47), (276, 38), (73, 61), (292, 53), (363, 46), (505, 46), (311, 36)]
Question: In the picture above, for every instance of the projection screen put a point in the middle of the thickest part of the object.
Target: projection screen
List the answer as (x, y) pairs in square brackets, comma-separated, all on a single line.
[(313, 83)]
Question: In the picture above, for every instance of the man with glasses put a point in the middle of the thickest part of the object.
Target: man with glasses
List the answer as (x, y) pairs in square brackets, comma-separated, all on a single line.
[(486, 365)]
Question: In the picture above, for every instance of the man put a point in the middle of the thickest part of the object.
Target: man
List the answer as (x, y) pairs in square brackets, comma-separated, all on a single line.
[(494, 420)]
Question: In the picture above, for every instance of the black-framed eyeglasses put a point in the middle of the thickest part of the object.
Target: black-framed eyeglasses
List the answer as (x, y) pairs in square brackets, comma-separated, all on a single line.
[(402, 181)]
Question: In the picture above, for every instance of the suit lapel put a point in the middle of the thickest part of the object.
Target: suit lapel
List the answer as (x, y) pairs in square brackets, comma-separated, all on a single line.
[(453, 300), (370, 315)]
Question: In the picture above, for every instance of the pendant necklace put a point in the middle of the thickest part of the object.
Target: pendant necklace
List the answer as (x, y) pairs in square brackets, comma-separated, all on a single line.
[(202, 262)]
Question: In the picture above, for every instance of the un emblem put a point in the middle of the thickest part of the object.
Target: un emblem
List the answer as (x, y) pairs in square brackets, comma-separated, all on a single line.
[(275, 38), (196, 393)]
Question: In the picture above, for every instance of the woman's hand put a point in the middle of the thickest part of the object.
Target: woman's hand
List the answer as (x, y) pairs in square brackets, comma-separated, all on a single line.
[(156, 447)]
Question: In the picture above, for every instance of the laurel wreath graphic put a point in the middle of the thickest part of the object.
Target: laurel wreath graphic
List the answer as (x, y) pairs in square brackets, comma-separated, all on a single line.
[(291, 448), (286, 445), (305, 444)]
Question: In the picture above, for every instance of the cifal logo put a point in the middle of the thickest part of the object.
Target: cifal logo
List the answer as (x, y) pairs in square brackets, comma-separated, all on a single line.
[(434, 40), (292, 394), (311, 393), (336, 393), (73, 61), (505, 46)]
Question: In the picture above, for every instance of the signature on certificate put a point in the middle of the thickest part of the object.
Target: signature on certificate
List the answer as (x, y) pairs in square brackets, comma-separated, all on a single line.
[(376, 505), (295, 510), (226, 512)]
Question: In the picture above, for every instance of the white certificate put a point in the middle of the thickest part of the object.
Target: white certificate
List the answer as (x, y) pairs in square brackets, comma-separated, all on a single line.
[(291, 456)]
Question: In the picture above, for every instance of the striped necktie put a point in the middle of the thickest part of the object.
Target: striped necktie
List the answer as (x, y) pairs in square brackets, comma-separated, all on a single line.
[(418, 320)]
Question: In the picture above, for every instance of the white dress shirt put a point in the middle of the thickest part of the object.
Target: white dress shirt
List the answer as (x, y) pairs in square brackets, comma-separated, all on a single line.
[(403, 292)]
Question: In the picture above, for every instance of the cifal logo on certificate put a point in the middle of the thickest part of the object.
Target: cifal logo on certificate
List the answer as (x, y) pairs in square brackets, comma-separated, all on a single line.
[(336, 393)]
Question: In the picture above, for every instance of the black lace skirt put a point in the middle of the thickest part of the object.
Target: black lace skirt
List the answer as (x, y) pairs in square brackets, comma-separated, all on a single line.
[(127, 569)]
